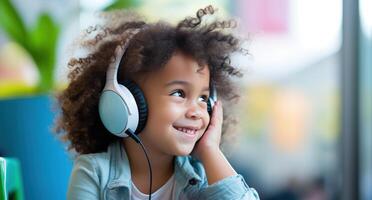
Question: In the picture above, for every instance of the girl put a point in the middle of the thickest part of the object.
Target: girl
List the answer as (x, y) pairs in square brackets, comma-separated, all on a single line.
[(168, 73)]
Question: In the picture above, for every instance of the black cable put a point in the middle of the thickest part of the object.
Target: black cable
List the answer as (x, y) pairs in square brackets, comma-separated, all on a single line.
[(135, 138)]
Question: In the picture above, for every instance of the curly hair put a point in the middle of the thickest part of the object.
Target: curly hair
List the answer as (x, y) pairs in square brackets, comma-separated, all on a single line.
[(148, 50)]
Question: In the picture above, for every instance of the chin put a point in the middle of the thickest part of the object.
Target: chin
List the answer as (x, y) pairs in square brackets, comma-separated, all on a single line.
[(183, 151)]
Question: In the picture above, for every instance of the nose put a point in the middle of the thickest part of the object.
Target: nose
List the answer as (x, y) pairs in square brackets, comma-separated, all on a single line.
[(194, 111)]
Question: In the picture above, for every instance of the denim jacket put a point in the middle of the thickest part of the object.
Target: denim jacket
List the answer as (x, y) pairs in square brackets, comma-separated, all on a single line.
[(107, 176)]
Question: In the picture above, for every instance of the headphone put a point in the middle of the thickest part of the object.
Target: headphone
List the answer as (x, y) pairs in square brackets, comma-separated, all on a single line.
[(123, 108)]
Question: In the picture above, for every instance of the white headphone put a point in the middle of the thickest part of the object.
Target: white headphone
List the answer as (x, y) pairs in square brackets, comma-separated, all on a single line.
[(122, 108)]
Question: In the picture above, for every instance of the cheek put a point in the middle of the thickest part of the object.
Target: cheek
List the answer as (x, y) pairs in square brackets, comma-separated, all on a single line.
[(206, 120), (163, 113), (206, 116)]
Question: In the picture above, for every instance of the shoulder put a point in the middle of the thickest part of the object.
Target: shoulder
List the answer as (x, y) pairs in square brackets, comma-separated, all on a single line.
[(93, 173), (86, 177), (95, 161), (94, 167), (89, 175), (90, 167), (91, 162)]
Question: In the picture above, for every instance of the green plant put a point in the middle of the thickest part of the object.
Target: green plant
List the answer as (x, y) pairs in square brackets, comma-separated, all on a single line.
[(120, 4), (40, 41)]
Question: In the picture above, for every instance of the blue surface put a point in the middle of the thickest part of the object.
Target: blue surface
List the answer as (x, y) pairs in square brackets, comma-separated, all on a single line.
[(26, 133)]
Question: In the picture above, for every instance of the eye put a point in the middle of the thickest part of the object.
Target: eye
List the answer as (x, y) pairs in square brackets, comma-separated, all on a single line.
[(178, 93), (204, 98)]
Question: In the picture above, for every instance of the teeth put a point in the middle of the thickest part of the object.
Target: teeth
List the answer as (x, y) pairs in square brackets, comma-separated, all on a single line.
[(188, 131)]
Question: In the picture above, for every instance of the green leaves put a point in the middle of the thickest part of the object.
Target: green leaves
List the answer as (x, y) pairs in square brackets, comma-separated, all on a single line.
[(43, 44), (40, 41), (120, 4), (12, 22)]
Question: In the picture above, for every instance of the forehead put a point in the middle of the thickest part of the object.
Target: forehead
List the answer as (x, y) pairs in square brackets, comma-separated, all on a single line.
[(183, 67)]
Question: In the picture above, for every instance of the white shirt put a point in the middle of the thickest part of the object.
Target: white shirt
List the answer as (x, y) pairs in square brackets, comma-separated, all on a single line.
[(163, 193)]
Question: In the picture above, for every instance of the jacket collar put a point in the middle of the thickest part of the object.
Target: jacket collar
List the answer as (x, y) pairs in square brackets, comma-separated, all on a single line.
[(120, 174), (186, 169)]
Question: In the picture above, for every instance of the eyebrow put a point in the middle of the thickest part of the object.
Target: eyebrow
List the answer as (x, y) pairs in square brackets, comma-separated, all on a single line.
[(180, 82)]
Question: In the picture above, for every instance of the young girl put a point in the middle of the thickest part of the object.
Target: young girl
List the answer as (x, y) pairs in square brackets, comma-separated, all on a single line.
[(168, 73)]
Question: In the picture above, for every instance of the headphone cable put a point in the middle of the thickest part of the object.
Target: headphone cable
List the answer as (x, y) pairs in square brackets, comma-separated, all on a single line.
[(136, 139)]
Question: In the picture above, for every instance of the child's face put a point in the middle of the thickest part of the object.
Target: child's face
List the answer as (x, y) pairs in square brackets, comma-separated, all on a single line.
[(177, 101)]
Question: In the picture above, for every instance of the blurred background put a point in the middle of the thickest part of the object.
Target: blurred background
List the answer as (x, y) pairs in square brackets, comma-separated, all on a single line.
[(305, 115)]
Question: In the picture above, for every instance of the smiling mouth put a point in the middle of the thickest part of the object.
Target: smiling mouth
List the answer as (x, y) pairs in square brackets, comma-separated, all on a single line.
[(190, 131)]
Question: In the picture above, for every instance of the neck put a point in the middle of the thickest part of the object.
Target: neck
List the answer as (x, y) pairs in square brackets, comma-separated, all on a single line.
[(161, 164)]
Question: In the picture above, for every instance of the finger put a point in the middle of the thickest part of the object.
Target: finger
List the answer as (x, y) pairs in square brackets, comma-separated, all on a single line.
[(220, 113)]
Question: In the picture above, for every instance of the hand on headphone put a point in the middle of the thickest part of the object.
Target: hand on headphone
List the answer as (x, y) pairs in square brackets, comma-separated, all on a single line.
[(210, 141)]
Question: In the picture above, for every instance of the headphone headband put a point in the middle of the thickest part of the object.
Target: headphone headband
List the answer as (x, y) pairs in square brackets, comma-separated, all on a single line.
[(112, 71)]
